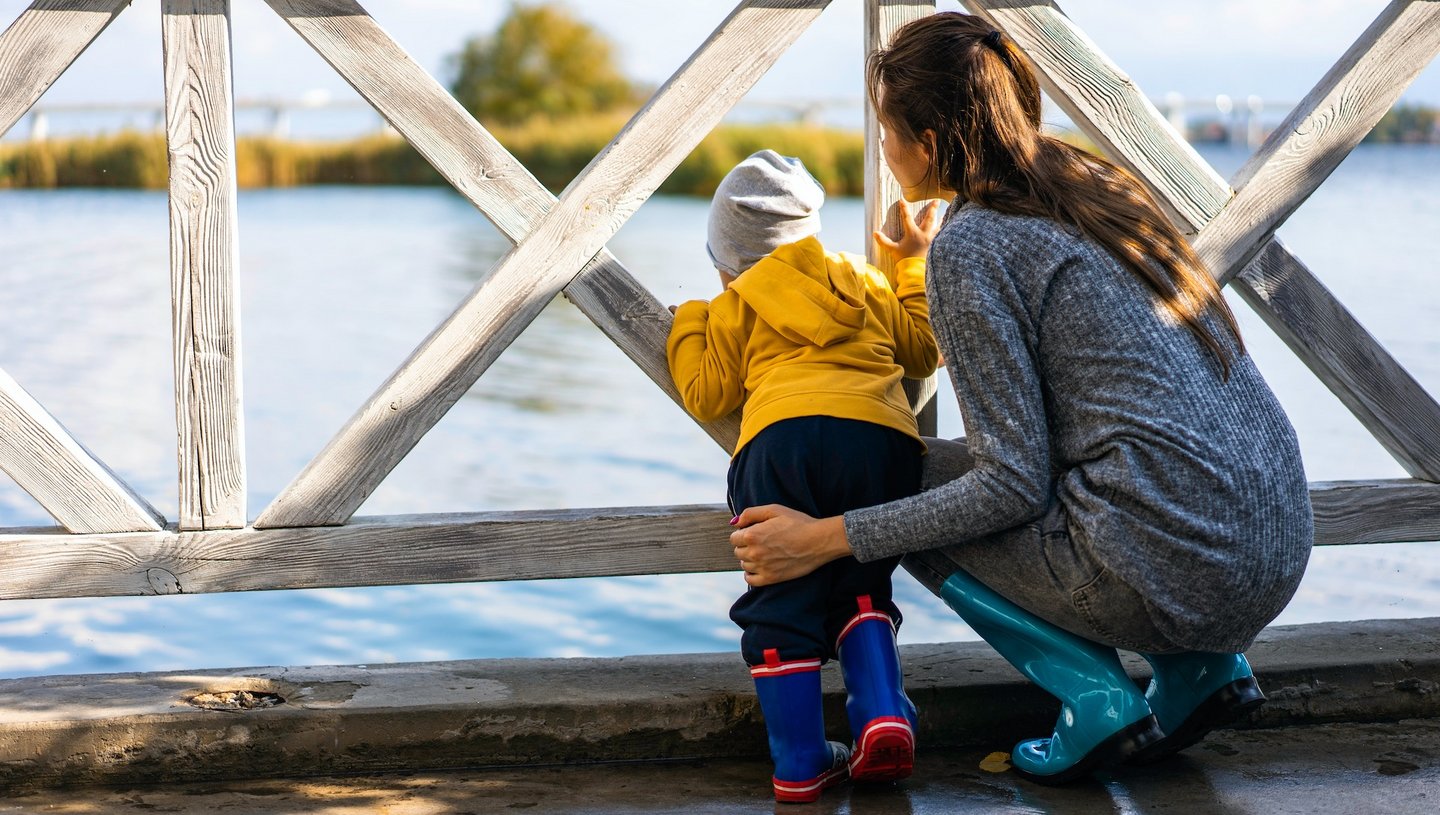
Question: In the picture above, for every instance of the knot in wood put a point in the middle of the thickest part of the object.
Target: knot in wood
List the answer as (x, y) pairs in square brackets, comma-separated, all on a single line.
[(163, 581)]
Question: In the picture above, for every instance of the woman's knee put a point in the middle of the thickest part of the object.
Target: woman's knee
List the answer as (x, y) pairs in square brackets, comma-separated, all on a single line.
[(945, 460)]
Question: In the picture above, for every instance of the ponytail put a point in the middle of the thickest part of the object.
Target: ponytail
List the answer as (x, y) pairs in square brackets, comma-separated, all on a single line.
[(953, 75)]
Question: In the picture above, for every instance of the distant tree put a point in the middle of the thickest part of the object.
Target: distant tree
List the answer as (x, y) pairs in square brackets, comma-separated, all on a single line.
[(1407, 123), (540, 61)]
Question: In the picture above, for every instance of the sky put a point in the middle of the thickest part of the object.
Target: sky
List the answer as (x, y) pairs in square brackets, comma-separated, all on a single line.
[(1276, 49)]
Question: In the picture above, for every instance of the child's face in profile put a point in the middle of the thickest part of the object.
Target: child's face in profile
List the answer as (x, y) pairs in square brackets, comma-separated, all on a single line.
[(725, 278)]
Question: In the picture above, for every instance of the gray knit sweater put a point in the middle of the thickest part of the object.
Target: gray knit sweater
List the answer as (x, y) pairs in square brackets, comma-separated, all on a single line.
[(1074, 386)]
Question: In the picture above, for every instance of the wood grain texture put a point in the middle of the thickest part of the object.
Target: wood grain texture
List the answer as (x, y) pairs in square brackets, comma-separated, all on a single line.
[(1305, 315), (1105, 103), (204, 260), (882, 18), (497, 546), (1320, 132), (41, 43), (371, 552), (483, 171), (640, 325), (1381, 511), (58, 472), (561, 243), (1110, 109)]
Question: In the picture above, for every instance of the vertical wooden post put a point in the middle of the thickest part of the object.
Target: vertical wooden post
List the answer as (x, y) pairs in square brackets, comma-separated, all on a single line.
[(882, 17), (200, 132)]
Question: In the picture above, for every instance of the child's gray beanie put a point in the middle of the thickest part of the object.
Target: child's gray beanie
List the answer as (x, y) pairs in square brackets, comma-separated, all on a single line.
[(767, 201)]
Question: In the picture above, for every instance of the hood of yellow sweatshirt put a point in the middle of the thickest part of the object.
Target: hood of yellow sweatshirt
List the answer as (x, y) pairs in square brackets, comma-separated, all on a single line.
[(804, 294)]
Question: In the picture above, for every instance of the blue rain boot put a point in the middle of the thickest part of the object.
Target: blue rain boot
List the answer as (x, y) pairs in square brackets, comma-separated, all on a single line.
[(1103, 716), (805, 763), (882, 718), (1193, 693)]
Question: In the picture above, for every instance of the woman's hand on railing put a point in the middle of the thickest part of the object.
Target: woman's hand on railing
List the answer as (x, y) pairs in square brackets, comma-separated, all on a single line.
[(915, 234), (775, 543)]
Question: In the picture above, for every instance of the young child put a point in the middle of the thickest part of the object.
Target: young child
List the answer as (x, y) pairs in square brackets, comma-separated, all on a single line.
[(814, 344)]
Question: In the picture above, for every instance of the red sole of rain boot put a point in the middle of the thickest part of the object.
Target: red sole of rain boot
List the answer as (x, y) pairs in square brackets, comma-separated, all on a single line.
[(885, 751)]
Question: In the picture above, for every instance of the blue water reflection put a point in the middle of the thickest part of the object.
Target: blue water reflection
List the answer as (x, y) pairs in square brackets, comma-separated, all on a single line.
[(339, 284)]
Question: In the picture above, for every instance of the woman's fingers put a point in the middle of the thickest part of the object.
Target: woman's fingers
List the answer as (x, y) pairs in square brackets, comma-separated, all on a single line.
[(765, 547), (930, 214), (754, 515)]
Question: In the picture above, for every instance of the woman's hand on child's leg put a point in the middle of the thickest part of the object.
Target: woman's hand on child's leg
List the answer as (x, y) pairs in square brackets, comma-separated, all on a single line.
[(775, 543)]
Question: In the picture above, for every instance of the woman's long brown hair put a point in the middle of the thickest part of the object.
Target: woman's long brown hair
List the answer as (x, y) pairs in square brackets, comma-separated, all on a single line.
[(950, 74)]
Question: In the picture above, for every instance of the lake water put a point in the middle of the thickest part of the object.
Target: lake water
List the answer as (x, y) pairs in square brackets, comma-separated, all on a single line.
[(339, 284)]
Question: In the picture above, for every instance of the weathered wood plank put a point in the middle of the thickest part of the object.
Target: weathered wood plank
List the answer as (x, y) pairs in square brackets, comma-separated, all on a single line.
[(204, 259), (497, 546), (483, 171), (1382, 511), (1305, 315), (1103, 101), (422, 111), (639, 324), (882, 18), (1110, 109), (568, 236), (372, 552), (68, 481), (1320, 132), (42, 42)]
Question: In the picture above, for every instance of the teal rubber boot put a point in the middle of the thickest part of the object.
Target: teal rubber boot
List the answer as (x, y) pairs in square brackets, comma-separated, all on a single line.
[(1104, 719), (1193, 693)]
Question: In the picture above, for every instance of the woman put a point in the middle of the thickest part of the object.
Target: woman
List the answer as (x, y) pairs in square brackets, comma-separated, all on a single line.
[(1130, 481)]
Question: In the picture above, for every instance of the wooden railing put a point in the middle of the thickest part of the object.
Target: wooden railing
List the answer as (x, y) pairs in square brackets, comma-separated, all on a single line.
[(112, 542)]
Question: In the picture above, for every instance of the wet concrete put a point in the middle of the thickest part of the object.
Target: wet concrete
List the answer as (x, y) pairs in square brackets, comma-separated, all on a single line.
[(1333, 768)]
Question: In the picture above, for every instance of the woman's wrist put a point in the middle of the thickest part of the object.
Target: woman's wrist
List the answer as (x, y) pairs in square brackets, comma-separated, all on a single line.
[(834, 543)]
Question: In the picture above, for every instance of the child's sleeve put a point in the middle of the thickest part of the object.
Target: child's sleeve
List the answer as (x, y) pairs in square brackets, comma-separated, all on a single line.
[(915, 347), (706, 362)]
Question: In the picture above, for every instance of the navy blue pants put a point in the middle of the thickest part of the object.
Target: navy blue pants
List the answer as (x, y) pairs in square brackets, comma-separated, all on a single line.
[(822, 466)]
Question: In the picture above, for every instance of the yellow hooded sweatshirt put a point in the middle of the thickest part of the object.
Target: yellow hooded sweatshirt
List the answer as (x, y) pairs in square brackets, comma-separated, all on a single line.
[(806, 332)]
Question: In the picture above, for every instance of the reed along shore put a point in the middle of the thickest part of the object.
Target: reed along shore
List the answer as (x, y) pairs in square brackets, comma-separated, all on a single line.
[(555, 151)]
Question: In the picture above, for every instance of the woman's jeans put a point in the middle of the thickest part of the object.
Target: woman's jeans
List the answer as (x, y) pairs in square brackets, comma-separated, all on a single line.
[(1041, 568)]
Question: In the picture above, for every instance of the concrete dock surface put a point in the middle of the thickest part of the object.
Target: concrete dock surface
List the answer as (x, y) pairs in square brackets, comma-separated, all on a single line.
[(1352, 725), (1332, 768)]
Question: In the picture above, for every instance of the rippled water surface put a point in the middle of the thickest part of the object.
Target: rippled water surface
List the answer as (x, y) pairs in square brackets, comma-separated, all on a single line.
[(339, 284)]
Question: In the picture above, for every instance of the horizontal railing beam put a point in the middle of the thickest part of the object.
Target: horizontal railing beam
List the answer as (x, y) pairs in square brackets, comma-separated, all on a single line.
[(496, 546), (380, 551)]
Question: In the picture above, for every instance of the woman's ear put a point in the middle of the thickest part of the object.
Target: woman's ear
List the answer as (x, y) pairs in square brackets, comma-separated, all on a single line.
[(929, 141)]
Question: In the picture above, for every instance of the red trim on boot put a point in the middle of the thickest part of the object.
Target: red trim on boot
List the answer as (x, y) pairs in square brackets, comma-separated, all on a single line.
[(885, 750), (774, 667), (803, 792), (865, 611)]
